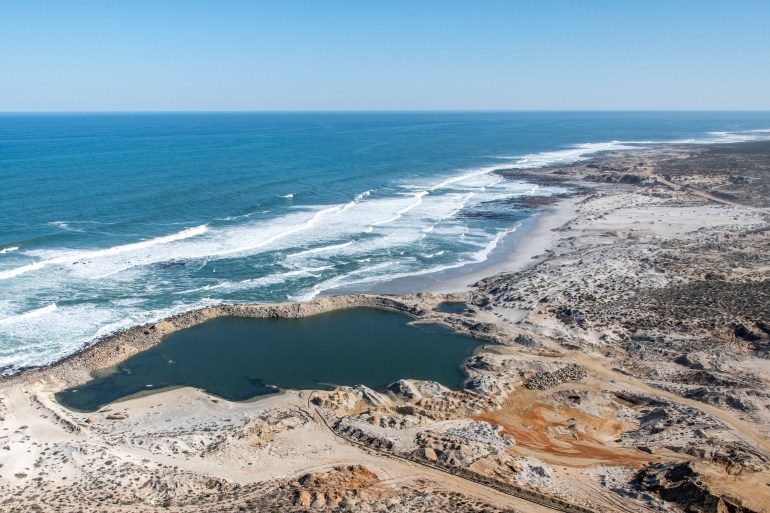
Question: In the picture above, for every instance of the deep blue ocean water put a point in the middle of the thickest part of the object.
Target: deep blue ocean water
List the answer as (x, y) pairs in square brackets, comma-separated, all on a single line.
[(111, 220)]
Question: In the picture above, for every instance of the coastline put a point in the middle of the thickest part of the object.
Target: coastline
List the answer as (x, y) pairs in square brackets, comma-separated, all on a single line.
[(114, 348), (528, 246), (514, 251), (526, 250), (553, 304)]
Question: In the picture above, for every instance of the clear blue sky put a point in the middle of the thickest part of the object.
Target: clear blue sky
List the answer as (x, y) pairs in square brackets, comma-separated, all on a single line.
[(391, 54)]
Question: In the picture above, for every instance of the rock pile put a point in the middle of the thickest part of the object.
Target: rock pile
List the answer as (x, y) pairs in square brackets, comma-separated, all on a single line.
[(546, 380), (460, 443), (346, 428), (342, 488)]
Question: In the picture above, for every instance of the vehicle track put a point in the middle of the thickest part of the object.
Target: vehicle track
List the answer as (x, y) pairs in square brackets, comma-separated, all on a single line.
[(527, 495)]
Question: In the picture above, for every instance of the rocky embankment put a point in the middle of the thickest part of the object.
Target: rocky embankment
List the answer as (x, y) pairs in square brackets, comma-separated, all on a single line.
[(115, 348)]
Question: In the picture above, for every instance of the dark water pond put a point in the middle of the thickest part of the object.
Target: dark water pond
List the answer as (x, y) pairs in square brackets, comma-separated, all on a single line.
[(240, 358), (452, 308)]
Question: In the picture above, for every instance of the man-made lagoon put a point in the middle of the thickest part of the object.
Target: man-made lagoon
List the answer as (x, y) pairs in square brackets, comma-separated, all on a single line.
[(241, 358), (452, 307)]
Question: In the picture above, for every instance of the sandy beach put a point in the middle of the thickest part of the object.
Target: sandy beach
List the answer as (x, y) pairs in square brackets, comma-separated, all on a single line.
[(624, 368), (531, 246)]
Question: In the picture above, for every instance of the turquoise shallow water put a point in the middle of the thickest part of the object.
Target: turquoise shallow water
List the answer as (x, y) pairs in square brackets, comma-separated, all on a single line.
[(108, 221), (239, 358)]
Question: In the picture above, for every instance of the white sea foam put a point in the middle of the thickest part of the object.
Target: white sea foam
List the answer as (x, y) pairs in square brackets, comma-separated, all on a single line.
[(492, 245), (295, 228), (348, 206), (205, 288), (9, 249), (463, 203), (358, 199), (583, 151), (263, 281), (726, 137), (418, 200), (274, 279), (314, 220), (463, 177), (70, 327), (305, 239), (10, 273), (343, 280), (110, 273), (108, 328), (751, 135), (63, 226), (566, 156), (323, 249), (28, 315), (115, 250), (242, 216), (371, 274), (477, 257)]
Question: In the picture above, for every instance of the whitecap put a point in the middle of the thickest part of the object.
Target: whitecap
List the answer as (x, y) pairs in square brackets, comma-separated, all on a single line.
[(28, 315), (399, 213), (63, 225), (463, 177), (342, 280), (582, 151), (115, 250), (363, 195), (322, 249), (566, 156), (733, 137)]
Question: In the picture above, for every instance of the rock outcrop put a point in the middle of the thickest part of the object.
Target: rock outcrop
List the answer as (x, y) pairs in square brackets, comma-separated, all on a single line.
[(679, 483)]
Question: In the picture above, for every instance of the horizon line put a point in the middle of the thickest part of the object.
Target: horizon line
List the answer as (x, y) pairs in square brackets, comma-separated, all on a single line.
[(365, 111)]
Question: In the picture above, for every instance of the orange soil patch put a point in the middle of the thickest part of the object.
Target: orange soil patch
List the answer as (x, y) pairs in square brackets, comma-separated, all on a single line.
[(564, 435)]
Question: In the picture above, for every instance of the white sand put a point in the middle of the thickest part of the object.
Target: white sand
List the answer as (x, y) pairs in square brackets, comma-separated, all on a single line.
[(527, 248)]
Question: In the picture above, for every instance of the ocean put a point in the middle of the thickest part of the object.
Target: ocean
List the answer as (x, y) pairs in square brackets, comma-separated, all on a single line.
[(112, 220)]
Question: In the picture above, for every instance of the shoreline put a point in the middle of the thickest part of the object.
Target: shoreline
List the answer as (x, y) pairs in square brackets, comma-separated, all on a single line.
[(525, 247), (440, 282), (514, 251), (526, 250), (112, 349), (120, 345), (605, 374)]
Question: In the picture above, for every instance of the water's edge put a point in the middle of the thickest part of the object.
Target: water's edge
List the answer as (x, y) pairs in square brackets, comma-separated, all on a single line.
[(113, 349)]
